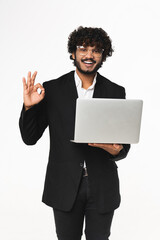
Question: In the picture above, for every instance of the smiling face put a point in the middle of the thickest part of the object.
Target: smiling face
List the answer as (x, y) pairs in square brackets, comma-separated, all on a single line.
[(87, 59)]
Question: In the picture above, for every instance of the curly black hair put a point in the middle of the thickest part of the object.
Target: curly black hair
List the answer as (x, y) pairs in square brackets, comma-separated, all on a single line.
[(87, 36)]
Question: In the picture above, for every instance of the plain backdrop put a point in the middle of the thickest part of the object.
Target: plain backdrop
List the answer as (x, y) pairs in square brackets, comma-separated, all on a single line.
[(33, 36)]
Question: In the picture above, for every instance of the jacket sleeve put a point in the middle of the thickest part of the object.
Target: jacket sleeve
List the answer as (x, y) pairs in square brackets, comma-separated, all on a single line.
[(33, 122)]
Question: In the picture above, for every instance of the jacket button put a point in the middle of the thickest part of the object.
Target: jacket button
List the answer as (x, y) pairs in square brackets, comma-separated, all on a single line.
[(81, 164)]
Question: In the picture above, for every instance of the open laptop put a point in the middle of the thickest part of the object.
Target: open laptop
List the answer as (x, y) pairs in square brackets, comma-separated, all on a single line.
[(101, 120)]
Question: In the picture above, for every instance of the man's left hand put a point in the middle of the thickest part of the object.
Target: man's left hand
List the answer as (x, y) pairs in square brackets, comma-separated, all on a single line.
[(113, 149)]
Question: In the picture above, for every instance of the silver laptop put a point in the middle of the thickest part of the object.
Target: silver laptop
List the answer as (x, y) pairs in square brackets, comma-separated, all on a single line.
[(107, 121)]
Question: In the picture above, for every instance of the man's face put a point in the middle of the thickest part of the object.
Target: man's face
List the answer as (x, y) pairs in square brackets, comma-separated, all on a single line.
[(87, 59)]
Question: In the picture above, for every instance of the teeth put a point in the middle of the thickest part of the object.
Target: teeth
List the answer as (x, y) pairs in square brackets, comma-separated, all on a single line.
[(88, 62)]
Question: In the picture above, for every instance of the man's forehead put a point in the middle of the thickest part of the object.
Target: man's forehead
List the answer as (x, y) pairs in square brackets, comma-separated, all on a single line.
[(92, 45), (87, 46)]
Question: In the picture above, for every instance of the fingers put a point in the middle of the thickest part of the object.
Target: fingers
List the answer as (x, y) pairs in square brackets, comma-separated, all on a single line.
[(39, 86), (31, 79), (100, 145), (111, 148), (29, 84), (24, 84), (114, 147)]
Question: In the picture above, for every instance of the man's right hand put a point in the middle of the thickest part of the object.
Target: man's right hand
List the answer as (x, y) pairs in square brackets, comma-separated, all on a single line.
[(30, 93)]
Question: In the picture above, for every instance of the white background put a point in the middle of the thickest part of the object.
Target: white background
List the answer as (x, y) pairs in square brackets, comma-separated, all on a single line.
[(34, 36)]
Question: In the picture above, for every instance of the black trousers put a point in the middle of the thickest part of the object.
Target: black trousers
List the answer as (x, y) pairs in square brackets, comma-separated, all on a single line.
[(69, 225)]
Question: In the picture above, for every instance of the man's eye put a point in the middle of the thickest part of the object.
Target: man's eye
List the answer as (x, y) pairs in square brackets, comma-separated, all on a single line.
[(83, 50), (95, 51)]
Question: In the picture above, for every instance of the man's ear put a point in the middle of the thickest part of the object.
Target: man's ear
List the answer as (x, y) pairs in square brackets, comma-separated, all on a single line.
[(73, 56)]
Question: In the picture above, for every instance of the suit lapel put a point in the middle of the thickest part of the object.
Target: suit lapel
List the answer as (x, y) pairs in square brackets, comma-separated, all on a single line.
[(72, 91), (99, 91), (71, 96), (72, 86)]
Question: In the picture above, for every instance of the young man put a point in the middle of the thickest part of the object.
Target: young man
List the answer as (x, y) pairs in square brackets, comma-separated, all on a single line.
[(81, 179)]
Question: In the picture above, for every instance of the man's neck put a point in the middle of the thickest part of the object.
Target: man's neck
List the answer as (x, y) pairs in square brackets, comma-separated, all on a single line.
[(87, 79)]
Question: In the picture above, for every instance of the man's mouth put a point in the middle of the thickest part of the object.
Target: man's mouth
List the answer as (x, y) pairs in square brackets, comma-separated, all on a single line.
[(88, 62)]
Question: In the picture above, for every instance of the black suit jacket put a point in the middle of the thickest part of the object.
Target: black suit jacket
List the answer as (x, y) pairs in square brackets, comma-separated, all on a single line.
[(66, 159)]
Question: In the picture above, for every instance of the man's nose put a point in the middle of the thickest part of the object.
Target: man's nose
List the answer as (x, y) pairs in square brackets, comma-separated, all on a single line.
[(89, 54)]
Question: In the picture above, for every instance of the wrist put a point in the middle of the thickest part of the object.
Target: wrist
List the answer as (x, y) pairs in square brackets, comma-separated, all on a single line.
[(27, 107)]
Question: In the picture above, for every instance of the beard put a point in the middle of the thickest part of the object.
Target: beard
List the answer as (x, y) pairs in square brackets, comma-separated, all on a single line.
[(87, 72)]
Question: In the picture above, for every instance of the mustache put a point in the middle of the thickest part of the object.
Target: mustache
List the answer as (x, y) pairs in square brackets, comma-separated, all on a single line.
[(88, 59)]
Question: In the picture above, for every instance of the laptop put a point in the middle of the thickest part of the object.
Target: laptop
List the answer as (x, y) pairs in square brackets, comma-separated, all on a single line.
[(101, 120)]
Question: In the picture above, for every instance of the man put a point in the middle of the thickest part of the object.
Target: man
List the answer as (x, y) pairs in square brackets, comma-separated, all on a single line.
[(81, 179)]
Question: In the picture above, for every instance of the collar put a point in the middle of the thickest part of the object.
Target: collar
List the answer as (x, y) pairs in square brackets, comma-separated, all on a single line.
[(78, 81)]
